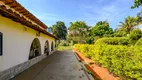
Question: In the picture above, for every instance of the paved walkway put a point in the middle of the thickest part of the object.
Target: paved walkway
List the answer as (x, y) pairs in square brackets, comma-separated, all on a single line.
[(62, 65)]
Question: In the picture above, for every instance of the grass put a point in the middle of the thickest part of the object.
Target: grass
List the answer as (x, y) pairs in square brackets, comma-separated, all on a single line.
[(64, 48)]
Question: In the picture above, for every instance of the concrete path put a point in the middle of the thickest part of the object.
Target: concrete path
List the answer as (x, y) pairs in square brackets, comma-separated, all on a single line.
[(62, 65)]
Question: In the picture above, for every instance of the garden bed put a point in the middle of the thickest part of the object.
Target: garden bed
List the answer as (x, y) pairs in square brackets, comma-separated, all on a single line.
[(97, 71), (119, 60)]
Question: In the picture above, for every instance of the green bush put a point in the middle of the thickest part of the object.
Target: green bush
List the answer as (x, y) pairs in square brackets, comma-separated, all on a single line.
[(60, 48), (84, 49), (64, 43), (120, 34), (123, 61), (135, 34), (113, 41), (90, 40), (139, 42), (96, 38)]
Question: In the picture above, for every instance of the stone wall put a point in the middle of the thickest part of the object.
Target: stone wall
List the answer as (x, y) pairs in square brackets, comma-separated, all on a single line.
[(11, 72)]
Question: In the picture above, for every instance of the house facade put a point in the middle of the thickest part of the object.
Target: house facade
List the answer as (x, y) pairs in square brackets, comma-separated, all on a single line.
[(24, 39)]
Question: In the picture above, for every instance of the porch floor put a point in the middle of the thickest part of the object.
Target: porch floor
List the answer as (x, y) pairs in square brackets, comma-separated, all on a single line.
[(61, 65)]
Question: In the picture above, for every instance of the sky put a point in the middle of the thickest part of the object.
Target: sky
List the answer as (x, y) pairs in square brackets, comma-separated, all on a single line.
[(90, 11)]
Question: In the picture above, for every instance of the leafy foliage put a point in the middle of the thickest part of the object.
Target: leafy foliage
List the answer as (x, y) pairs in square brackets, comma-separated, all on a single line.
[(63, 43), (121, 60), (78, 32), (77, 25), (137, 3), (139, 17), (90, 40), (59, 30), (101, 28), (135, 34), (139, 42), (129, 24), (64, 48), (121, 32), (113, 41)]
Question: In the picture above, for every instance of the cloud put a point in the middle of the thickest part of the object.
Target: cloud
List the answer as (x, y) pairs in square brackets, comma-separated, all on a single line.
[(94, 13), (109, 11), (90, 11)]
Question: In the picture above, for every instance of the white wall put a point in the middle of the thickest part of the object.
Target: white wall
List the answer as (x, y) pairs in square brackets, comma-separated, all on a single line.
[(17, 42)]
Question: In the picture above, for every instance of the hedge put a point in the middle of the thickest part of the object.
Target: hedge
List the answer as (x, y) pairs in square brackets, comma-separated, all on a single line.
[(123, 61), (139, 42), (113, 41), (135, 34)]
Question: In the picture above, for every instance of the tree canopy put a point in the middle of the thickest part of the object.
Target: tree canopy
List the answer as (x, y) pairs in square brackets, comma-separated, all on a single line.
[(78, 31), (59, 29), (101, 28), (129, 24), (137, 3), (77, 25)]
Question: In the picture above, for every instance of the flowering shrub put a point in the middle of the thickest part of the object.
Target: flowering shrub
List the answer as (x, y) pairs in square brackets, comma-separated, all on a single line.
[(123, 61)]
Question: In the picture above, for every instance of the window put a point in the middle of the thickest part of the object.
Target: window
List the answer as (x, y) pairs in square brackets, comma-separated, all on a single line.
[(1, 41)]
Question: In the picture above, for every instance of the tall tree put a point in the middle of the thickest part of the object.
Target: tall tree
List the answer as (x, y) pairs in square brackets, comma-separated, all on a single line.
[(59, 29), (129, 23), (101, 28), (78, 31), (137, 3)]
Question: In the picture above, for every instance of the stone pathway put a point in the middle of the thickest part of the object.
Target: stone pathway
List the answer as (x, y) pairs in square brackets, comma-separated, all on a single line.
[(62, 65)]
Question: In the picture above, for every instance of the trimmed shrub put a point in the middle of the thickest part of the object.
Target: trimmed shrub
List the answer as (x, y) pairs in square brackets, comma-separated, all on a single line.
[(123, 61), (113, 41), (84, 48), (135, 34), (139, 42)]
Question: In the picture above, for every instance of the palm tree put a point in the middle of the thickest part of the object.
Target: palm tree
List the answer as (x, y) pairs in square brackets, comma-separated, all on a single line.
[(129, 23), (78, 29)]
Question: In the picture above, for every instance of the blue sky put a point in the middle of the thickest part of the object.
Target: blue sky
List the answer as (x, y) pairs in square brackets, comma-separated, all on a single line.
[(90, 11)]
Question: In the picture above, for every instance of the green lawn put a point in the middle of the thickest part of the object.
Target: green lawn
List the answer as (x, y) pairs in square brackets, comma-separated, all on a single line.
[(64, 48)]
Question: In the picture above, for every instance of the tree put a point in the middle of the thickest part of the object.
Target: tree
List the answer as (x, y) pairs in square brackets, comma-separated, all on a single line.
[(139, 17), (129, 24), (59, 29), (78, 31), (137, 3), (101, 29)]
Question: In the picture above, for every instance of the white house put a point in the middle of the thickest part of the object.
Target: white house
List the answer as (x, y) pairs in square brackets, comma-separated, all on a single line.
[(24, 39)]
